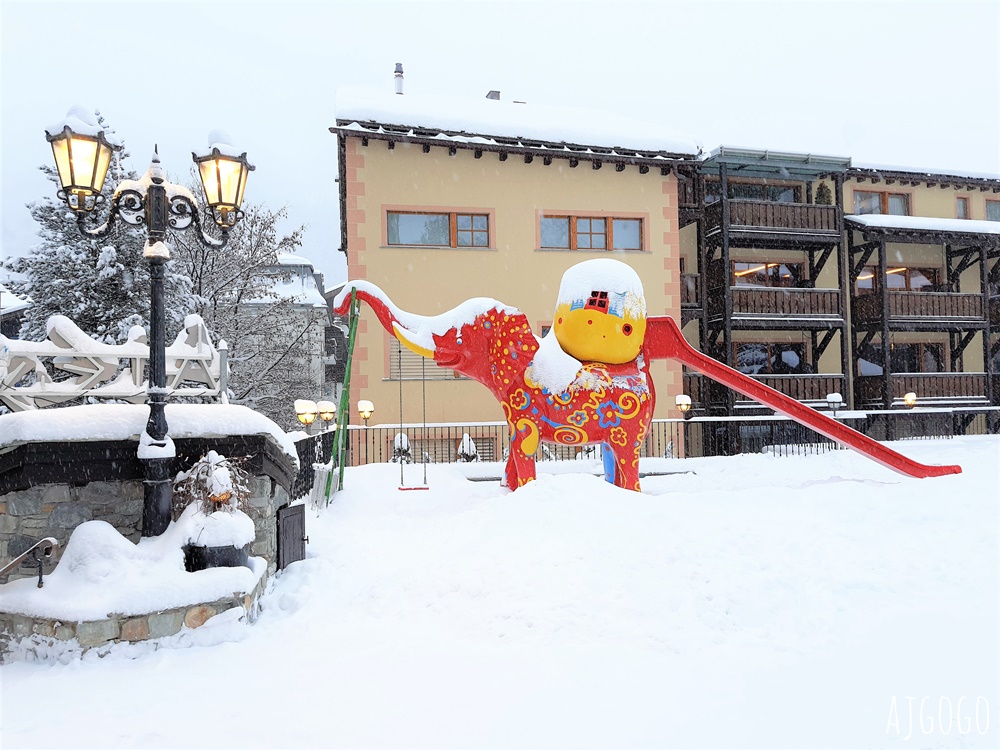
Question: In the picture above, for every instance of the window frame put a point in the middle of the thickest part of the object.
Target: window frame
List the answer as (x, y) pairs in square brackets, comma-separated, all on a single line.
[(963, 200), (936, 274), (941, 355), (411, 365), (990, 203), (608, 234), (452, 216), (774, 350), (766, 264), (884, 196)]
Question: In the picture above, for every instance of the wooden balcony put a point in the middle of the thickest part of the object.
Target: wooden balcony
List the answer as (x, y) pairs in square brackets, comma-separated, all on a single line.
[(784, 302), (689, 289), (807, 388), (909, 306), (995, 312), (803, 387), (771, 217), (929, 387)]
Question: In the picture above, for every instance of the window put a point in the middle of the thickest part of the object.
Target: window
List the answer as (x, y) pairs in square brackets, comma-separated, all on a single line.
[(438, 229), (590, 233), (766, 274), (755, 191), (992, 210), (899, 280), (407, 365), (868, 202), (962, 208), (770, 358), (903, 358)]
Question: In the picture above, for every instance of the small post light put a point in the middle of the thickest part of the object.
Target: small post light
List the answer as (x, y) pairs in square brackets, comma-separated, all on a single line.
[(305, 410), (834, 401), (910, 399), (223, 171), (327, 410), (366, 409), (83, 154), (683, 402)]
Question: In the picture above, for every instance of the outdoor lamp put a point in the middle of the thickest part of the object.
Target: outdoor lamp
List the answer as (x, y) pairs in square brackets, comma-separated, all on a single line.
[(305, 410), (223, 171), (834, 401), (366, 409), (910, 399), (327, 410), (683, 402), (83, 154)]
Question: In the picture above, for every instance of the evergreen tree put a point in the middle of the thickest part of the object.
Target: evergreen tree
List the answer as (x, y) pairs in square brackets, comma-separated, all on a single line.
[(102, 285)]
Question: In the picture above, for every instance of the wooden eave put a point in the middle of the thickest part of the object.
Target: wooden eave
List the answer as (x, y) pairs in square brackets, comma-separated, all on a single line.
[(925, 236), (530, 149), (904, 179)]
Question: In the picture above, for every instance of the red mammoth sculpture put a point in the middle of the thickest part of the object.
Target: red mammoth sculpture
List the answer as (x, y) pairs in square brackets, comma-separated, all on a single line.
[(609, 404)]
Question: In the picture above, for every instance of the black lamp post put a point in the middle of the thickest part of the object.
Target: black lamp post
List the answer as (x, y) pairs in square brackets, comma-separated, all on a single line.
[(83, 154)]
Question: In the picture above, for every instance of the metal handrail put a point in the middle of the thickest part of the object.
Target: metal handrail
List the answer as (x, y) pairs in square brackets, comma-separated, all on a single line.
[(51, 547)]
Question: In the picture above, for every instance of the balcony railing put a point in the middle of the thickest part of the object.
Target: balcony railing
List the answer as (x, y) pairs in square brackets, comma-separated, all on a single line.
[(786, 302), (773, 216), (995, 312), (929, 386), (689, 288), (909, 305), (808, 388)]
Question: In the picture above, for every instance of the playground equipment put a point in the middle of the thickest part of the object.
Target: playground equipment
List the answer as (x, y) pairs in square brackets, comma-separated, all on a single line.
[(588, 381)]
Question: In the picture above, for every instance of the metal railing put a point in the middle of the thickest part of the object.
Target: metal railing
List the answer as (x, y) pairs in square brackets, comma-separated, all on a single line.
[(47, 548)]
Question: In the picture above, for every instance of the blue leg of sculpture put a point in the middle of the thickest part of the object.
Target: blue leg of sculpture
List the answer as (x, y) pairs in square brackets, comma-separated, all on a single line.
[(609, 463)]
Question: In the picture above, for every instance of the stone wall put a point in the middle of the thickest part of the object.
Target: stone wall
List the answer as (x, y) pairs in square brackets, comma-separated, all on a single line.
[(26, 516), (24, 638)]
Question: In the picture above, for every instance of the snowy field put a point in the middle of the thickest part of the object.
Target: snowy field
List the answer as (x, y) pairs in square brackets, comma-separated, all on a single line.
[(753, 602)]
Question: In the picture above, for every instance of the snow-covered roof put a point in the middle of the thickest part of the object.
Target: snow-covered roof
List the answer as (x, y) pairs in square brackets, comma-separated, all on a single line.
[(293, 279), (10, 302), (291, 259), (923, 172), (925, 223), (490, 121), (128, 422)]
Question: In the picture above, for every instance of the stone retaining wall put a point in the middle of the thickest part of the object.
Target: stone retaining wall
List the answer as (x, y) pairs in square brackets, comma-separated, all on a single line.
[(24, 638), (27, 516)]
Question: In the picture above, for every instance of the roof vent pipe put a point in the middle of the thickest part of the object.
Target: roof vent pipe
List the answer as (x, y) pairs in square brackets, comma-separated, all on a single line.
[(494, 94), (399, 78)]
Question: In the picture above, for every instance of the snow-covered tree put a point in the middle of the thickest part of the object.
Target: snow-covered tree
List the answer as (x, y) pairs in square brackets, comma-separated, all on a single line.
[(102, 285), (272, 339)]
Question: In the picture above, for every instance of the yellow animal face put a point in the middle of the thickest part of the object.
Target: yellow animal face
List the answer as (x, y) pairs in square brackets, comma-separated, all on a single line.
[(592, 334)]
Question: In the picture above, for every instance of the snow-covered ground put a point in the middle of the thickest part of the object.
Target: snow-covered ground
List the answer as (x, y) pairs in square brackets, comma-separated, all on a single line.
[(757, 601)]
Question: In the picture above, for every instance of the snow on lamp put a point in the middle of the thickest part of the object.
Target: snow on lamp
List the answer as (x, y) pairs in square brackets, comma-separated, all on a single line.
[(366, 409), (82, 153), (327, 410), (305, 410), (683, 403), (223, 171), (910, 399)]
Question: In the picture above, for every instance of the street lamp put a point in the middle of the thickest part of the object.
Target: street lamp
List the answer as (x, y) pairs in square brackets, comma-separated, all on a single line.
[(83, 153), (683, 403), (366, 409), (306, 411), (834, 401), (910, 400)]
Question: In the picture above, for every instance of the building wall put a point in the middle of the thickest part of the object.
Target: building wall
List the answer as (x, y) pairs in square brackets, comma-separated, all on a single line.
[(430, 281)]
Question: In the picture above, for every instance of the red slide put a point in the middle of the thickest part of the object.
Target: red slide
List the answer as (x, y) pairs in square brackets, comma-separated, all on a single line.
[(664, 340)]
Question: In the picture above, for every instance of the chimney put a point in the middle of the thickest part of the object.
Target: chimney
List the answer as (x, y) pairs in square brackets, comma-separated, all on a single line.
[(494, 94), (399, 78)]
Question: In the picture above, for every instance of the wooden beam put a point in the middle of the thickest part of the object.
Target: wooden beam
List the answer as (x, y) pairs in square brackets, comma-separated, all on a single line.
[(528, 158), (427, 148), (547, 160), (619, 167), (595, 165), (478, 153), (574, 163), (364, 141), (452, 151), (643, 169), (392, 145), (503, 156)]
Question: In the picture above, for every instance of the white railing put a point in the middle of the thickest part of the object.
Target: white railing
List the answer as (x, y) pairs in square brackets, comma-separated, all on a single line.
[(195, 367)]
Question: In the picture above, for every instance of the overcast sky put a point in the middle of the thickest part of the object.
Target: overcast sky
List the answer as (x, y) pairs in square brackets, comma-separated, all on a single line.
[(913, 84)]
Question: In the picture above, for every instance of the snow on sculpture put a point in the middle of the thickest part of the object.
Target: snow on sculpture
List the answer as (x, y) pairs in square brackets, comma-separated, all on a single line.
[(587, 382)]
